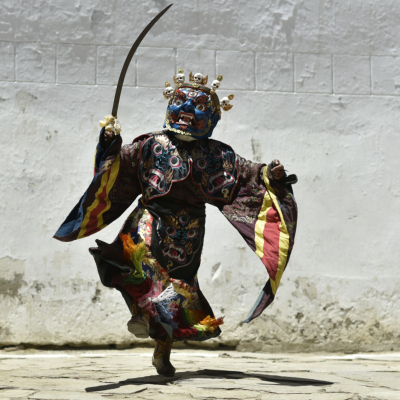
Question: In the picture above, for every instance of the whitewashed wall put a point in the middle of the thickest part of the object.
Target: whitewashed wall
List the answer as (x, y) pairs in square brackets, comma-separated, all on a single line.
[(316, 84)]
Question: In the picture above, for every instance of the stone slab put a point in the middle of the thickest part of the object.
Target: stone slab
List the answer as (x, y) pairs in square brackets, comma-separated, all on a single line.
[(76, 63), (385, 75), (110, 60), (237, 68), (313, 73), (223, 377), (197, 60), (274, 71), (351, 74), (7, 61), (36, 62), (155, 66)]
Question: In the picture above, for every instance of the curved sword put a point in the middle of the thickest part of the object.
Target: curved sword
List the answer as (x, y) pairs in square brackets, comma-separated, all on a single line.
[(129, 58)]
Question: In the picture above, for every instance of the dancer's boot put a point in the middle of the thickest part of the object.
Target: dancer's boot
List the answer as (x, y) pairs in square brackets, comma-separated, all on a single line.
[(161, 356)]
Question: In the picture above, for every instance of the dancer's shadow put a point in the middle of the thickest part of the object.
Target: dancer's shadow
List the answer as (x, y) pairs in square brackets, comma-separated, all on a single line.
[(211, 374)]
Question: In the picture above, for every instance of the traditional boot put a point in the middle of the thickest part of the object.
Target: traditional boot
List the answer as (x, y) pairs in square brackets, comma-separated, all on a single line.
[(139, 323), (161, 356)]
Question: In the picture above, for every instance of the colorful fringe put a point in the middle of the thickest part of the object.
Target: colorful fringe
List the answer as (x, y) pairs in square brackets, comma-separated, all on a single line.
[(193, 323), (209, 324)]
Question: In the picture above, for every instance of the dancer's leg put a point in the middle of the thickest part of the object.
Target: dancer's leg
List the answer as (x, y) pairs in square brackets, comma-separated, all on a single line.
[(161, 356)]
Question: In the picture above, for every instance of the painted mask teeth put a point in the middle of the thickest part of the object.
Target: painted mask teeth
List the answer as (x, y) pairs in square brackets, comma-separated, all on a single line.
[(175, 252), (155, 178), (219, 180), (187, 119)]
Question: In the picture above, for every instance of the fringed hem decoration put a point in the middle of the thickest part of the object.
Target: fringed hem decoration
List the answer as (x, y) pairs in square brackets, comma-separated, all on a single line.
[(209, 324), (133, 253), (157, 303)]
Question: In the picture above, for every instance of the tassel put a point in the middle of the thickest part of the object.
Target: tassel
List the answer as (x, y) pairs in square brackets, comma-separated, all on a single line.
[(155, 302), (133, 253), (167, 295), (167, 313), (145, 301)]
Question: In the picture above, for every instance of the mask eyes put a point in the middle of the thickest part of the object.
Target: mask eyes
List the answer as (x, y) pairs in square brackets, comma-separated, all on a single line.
[(218, 153), (171, 231), (184, 219), (157, 149), (201, 164), (175, 162), (192, 233), (178, 102), (201, 107)]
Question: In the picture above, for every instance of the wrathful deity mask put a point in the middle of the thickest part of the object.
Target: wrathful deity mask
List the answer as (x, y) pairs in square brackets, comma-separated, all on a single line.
[(193, 109), (191, 113)]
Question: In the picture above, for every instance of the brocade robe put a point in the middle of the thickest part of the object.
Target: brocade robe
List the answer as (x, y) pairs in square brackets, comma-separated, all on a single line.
[(175, 180)]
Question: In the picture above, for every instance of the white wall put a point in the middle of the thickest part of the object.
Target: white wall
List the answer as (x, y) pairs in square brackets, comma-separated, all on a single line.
[(316, 84)]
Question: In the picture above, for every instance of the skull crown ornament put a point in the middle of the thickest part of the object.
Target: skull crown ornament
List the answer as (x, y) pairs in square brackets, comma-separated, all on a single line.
[(193, 108)]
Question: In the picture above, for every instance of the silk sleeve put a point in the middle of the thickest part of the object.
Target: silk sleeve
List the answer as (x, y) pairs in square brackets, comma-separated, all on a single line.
[(114, 187), (264, 212)]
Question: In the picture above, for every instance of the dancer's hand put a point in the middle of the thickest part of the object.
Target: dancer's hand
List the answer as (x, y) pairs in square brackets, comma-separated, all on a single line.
[(278, 171), (108, 137)]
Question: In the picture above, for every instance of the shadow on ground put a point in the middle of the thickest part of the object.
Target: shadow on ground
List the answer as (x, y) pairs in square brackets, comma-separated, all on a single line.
[(210, 373)]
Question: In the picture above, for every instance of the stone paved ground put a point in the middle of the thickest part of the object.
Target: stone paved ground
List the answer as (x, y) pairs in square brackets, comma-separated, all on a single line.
[(201, 374)]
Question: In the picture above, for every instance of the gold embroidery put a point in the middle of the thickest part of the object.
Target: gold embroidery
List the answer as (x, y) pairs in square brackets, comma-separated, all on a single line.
[(189, 247), (182, 212), (194, 223), (148, 192), (227, 165), (170, 175), (163, 140), (225, 192), (171, 220), (167, 240), (204, 178)]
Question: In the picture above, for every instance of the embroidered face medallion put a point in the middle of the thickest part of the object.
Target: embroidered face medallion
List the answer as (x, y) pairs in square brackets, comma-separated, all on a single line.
[(161, 165), (191, 113), (181, 238), (214, 169)]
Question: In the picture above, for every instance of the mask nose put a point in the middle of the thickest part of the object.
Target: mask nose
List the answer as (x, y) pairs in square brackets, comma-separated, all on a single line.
[(188, 106)]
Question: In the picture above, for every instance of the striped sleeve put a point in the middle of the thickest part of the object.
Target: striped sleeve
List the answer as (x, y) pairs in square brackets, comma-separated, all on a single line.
[(113, 189), (265, 214)]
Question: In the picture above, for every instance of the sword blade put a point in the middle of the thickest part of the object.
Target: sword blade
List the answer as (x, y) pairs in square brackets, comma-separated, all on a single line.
[(129, 58)]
